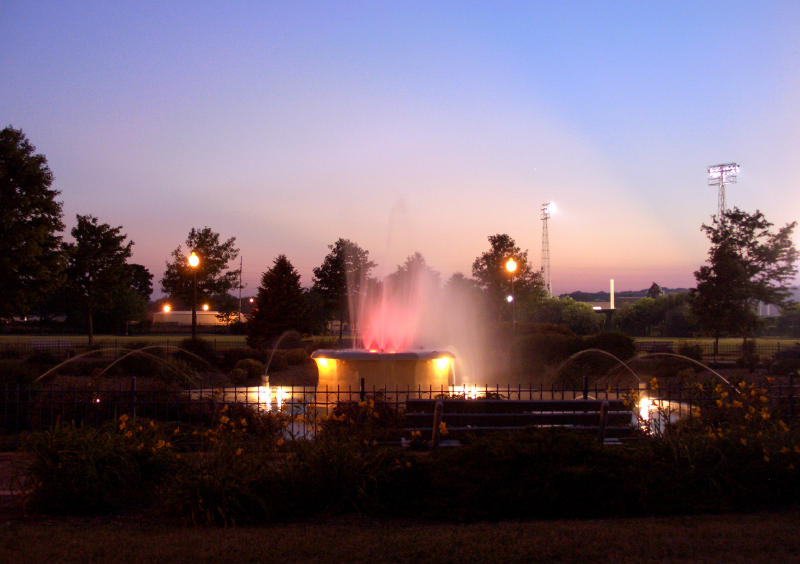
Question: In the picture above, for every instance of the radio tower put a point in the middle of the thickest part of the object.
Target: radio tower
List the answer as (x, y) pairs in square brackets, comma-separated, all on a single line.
[(720, 175), (546, 248)]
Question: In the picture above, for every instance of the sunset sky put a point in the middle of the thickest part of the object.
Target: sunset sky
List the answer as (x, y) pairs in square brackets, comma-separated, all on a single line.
[(413, 126)]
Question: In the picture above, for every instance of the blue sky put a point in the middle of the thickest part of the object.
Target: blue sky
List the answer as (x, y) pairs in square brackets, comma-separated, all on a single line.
[(412, 126)]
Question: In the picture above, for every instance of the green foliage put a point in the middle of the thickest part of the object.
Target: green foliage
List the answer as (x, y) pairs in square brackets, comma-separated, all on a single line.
[(202, 348), (295, 357), (96, 266), (747, 264), (253, 372), (31, 261), (278, 306), (787, 361), (489, 270), (578, 317), (339, 279), (213, 278), (83, 470), (15, 371)]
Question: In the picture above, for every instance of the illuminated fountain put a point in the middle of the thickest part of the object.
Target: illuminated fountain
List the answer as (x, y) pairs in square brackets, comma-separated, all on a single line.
[(407, 330)]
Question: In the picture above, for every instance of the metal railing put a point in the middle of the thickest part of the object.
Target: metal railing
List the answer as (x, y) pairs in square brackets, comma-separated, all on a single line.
[(305, 408)]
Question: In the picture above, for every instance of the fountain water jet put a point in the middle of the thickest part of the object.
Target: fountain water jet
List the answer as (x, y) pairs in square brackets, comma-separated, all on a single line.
[(407, 327)]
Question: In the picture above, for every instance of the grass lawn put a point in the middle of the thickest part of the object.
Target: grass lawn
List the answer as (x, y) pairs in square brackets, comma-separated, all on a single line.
[(119, 339), (765, 537)]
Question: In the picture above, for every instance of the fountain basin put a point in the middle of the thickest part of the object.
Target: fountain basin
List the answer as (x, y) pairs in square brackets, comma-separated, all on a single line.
[(405, 369)]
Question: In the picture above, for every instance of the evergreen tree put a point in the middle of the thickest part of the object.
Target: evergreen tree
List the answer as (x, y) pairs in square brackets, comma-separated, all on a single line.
[(31, 261), (279, 304)]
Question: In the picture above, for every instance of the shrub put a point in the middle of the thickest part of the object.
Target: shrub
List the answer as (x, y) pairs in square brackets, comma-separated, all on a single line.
[(16, 372), (277, 362), (231, 356), (785, 362), (533, 352), (296, 356), (693, 351), (618, 344), (248, 371), (202, 348), (83, 470)]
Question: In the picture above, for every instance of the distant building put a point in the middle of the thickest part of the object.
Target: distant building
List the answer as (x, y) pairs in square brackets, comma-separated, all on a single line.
[(184, 318)]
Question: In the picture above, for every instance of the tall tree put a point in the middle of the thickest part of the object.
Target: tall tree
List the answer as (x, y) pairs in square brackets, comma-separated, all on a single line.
[(31, 262), (96, 265), (489, 270), (129, 302), (340, 277), (279, 304), (748, 263), (213, 280)]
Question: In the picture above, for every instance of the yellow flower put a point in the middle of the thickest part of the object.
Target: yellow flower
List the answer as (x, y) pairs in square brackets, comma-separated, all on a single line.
[(152, 424), (224, 408), (443, 428), (239, 451), (243, 422), (176, 431), (279, 442), (719, 403), (784, 450), (766, 458), (129, 434), (743, 441), (123, 417), (122, 426), (765, 414), (160, 443), (737, 403), (408, 465), (224, 419), (376, 415)]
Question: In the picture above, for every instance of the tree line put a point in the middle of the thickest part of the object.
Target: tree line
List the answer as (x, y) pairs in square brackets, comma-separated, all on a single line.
[(92, 281)]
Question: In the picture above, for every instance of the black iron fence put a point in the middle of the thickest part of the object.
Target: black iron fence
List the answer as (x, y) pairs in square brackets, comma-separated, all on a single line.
[(305, 408)]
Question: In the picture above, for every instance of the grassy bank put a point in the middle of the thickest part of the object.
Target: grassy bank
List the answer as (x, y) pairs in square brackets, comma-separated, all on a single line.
[(762, 537)]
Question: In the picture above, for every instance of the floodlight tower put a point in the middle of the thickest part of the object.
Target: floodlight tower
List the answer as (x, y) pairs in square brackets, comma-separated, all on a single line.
[(720, 175), (546, 207)]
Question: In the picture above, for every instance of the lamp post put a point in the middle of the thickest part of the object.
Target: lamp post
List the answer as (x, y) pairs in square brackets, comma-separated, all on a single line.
[(511, 268), (194, 262)]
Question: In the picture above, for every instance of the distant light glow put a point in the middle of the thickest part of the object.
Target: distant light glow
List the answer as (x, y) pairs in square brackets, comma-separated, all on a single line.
[(442, 363), (251, 300), (597, 308), (205, 307), (511, 265), (194, 260), (167, 308), (552, 208), (509, 298), (322, 362)]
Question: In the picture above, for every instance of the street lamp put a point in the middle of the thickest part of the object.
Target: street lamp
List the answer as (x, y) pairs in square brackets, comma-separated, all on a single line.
[(194, 262), (511, 268)]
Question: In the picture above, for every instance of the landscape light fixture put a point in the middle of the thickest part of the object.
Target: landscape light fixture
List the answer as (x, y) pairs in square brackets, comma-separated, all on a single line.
[(511, 268), (720, 175), (194, 262)]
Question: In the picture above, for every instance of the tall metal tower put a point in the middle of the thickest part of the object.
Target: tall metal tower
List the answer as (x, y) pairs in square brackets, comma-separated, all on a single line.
[(546, 248), (720, 175)]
